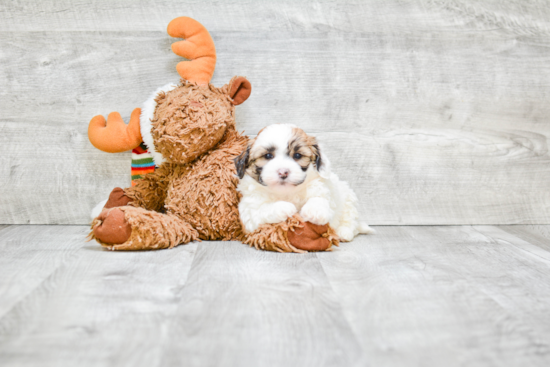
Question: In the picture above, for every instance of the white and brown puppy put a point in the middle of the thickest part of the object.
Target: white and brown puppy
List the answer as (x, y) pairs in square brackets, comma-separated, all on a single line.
[(282, 173)]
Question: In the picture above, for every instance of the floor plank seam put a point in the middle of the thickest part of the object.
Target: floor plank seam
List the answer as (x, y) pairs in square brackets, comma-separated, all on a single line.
[(341, 307)]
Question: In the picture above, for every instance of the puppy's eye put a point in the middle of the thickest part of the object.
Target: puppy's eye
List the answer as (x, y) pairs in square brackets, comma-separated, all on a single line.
[(297, 156), (268, 156)]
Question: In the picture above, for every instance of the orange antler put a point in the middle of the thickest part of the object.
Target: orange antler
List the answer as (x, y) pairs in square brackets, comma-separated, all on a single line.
[(198, 47), (115, 136)]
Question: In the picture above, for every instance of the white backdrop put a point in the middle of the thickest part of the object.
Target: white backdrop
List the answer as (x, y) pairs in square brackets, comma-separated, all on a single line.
[(436, 112)]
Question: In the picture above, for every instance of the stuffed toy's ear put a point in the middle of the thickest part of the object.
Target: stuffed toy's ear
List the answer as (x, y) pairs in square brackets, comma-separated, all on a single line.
[(322, 164), (241, 162), (240, 90)]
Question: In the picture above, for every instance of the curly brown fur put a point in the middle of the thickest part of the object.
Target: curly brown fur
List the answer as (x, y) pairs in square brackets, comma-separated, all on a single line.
[(273, 237), (190, 120), (150, 191), (205, 195), (203, 191), (150, 231)]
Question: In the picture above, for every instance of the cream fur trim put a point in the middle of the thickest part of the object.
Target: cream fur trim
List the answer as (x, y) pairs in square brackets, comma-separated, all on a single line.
[(147, 114), (98, 208)]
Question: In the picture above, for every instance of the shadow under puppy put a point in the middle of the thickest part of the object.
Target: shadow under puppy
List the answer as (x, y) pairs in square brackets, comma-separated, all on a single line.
[(283, 172)]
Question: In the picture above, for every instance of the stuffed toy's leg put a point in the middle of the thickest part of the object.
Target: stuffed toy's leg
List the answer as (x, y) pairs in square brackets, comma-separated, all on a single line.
[(130, 228), (293, 235), (130, 220)]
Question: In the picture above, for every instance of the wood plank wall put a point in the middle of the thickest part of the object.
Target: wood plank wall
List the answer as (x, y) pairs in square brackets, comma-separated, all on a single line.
[(436, 112)]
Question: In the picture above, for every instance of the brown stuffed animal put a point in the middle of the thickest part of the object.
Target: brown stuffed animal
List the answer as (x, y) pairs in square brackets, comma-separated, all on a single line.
[(190, 131)]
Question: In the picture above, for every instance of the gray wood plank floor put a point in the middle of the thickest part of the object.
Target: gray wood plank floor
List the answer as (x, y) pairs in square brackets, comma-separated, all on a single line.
[(407, 296)]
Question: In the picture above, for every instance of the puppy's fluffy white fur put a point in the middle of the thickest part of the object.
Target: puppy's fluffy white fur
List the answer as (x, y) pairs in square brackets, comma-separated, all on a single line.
[(283, 172)]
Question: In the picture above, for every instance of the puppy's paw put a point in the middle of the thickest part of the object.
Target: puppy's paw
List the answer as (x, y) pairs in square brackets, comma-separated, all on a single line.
[(316, 211), (346, 234), (280, 211)]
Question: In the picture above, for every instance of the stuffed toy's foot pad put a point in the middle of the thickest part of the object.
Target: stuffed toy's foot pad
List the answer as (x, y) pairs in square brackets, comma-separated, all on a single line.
[(117, 197), (310, 237), (112, 227)]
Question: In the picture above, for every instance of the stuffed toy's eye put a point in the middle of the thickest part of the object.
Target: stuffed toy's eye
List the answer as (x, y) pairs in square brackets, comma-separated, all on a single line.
[(268, 156), (297, 156)]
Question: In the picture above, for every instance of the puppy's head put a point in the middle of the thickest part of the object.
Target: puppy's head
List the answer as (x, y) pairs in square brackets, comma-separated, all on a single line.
[(281, 157)]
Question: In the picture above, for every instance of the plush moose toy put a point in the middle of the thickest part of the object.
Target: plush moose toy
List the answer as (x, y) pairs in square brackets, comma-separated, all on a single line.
[(190, 132)]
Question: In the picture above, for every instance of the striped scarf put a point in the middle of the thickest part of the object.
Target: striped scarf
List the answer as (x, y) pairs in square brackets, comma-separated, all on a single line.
[(142, 163)]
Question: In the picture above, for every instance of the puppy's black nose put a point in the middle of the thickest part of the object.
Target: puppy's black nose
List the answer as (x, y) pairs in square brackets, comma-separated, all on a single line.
[(283, 173)]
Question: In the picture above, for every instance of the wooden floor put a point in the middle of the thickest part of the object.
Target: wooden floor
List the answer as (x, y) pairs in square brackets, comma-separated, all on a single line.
[(407, 296)]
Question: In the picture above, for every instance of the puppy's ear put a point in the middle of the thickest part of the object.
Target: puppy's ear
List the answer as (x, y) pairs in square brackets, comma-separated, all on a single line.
[(241, 162), (322, 164)]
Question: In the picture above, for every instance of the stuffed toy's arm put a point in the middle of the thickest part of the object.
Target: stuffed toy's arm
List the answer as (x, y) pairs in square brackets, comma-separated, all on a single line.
[(149, 192), (292, 235)]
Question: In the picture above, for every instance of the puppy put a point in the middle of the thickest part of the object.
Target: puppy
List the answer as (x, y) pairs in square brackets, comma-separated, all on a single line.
[(283, 172)]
